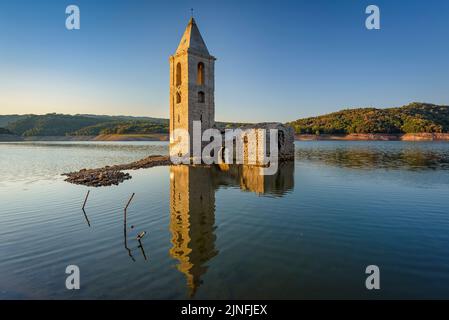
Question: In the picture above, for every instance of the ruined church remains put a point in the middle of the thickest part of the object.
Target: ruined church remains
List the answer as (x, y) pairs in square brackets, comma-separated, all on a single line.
[(192, 84)]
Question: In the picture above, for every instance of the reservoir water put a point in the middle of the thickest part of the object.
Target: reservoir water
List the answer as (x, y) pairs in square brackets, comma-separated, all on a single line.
[(226, 232)]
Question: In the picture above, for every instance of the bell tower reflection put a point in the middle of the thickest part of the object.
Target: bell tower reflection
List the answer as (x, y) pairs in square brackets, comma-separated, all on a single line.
[(192, 209), (192, 219)]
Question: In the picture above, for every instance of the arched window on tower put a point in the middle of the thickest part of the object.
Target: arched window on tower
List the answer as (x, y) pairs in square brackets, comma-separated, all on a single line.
[(178, 97), (178, 74), (201, 97), (200, 74)]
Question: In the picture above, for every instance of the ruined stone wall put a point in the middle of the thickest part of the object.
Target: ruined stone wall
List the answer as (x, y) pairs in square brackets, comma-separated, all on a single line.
[(256, 143), (287, 149)]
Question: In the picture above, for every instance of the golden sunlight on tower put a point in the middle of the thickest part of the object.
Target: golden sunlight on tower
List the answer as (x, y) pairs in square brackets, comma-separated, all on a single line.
[(191, 83)]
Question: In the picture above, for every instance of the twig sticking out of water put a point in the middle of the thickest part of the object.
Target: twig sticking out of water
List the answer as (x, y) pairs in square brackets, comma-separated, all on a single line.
[(87, 219), (139, 239), (142, 249), (85, 200), (125, 233), (129, 201), (141, 235), (126, 208)]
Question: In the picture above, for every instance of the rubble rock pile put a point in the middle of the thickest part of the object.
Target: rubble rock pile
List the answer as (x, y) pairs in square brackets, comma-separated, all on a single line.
[(113, 175)]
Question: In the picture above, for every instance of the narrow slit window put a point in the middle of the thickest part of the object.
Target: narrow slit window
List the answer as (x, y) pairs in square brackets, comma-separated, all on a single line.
[(201, 97), (178, 74), (200, 74)]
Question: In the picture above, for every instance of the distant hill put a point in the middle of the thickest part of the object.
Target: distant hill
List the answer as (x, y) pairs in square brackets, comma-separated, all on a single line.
[(62, 125), (50, 124), (124, 118), (123, 127), (5, 120), (412, 118), (54, 124)]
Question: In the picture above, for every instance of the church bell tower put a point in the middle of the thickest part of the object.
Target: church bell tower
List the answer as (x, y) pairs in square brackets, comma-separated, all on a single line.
[(191, 84)]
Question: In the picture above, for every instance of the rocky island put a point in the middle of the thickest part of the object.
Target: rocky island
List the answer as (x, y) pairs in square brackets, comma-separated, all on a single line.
[(113, 175)]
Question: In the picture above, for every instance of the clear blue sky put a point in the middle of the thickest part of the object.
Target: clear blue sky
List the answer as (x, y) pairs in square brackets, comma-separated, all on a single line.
[(277, 60)]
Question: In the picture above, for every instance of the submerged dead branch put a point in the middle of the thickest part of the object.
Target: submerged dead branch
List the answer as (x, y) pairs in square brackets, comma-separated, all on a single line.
[(129, 201), (85, 199)]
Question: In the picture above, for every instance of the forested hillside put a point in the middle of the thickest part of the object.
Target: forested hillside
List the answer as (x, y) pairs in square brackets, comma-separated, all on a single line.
[(87, 125), (412, 118), (63, 125)]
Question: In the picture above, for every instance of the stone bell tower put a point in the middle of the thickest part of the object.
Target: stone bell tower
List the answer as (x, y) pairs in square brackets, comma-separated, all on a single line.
[(191, 84)]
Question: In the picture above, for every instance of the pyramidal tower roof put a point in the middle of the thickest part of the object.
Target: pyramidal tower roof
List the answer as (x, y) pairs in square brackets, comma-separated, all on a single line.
[(192, 39)]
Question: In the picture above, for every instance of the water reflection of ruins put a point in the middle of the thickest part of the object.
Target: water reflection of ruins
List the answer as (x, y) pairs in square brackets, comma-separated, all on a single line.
[(192, 209)]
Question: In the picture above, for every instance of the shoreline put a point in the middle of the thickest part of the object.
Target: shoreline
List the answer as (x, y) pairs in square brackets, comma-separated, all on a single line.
[(298, 137), (374, 137)]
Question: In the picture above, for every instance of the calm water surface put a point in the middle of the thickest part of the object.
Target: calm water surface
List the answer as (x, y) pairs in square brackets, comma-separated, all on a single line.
[(227, 232)]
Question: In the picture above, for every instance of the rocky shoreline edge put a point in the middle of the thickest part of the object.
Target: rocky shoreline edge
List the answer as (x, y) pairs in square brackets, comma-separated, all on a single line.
[(113, 175), (374, 137)]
